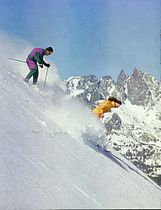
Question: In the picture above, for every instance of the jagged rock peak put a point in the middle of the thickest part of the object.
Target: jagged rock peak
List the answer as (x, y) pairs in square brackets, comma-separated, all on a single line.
[(106, 78), (137, 73), (89, 77), (138, 90), (122, 77)]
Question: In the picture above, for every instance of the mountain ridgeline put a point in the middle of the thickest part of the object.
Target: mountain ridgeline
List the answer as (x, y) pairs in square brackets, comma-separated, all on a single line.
[(135, 128)]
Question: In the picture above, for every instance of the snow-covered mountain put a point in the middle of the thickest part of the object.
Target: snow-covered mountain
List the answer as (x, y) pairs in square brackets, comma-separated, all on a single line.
[(47, 156), (135, 128)]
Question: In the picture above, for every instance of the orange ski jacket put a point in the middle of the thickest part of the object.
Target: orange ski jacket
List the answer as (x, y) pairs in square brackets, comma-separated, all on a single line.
[(103, 107)]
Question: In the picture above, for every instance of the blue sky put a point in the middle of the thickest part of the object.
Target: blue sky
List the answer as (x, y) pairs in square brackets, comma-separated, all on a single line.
[(90, 36)]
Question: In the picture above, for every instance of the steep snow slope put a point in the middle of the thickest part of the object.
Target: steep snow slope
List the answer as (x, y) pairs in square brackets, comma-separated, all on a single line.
[(46, 160)]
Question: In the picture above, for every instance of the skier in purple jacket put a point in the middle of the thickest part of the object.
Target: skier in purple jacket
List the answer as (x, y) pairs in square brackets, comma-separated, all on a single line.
[(36, 56)]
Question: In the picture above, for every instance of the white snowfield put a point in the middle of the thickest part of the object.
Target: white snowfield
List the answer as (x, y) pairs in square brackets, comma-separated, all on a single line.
[(45, 160)]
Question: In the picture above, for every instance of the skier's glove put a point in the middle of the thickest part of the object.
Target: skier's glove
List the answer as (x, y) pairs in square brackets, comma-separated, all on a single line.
[(48, 65), (41, 65)]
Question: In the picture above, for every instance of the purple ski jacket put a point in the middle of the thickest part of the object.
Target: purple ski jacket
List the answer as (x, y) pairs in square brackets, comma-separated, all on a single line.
[(37, 55)]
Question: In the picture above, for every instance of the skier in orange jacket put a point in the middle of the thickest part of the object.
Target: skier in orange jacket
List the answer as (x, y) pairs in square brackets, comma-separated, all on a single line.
[(106, 106)]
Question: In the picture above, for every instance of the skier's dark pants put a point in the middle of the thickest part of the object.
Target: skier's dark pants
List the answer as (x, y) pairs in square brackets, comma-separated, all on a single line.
[(33, 73)]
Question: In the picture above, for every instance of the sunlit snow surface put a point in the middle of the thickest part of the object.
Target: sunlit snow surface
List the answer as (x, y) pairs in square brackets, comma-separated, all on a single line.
[(47, 157)]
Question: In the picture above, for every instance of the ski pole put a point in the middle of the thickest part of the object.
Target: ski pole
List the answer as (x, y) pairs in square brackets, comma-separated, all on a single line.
[(13, 59), (46, 77)]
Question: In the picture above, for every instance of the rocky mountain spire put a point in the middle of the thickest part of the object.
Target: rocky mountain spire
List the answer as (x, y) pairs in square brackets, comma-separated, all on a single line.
[(138, 91), (122, 77)]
